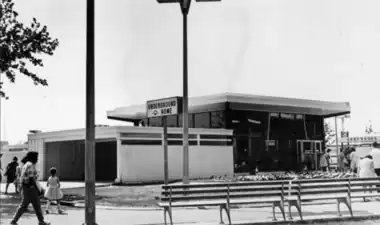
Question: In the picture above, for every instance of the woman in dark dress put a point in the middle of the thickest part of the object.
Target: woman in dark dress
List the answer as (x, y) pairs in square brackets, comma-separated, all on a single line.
[(11, 174)]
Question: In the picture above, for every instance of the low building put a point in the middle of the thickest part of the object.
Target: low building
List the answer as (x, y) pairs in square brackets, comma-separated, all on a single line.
[(127, 154), (267, 131)]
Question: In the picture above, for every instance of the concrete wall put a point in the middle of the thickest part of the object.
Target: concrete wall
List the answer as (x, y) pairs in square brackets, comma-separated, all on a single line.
[(38, 145), (146, 163)]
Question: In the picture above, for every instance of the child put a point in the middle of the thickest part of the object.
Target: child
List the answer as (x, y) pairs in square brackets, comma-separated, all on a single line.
[(53, 192)]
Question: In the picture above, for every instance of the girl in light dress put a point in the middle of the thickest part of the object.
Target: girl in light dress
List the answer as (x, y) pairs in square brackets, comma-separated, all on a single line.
[(53, 192)]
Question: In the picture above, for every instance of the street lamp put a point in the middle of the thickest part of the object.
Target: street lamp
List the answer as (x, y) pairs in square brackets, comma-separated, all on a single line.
[(185, 7)]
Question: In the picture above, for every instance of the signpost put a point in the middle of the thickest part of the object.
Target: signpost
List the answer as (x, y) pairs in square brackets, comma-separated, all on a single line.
[(163, 108)]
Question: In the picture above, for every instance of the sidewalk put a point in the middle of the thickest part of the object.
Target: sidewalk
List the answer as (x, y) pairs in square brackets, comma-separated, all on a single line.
[(208, 216), (65, 185)]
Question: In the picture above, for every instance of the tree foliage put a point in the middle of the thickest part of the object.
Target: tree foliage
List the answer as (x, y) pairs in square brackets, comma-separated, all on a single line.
[(329, 133), (21, 46)]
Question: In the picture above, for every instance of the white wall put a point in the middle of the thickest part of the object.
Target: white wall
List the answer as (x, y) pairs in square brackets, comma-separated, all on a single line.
[(146, 163), (38, 145)]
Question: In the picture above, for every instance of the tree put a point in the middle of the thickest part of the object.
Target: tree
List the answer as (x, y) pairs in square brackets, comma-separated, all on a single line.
[(20, 46), (329, 133)]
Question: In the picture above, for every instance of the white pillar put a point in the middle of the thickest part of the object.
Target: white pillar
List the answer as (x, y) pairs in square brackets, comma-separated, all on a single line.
[(119, 161)]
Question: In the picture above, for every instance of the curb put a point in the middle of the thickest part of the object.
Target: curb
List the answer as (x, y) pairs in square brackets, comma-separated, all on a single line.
[(81, 206), (316, 221)]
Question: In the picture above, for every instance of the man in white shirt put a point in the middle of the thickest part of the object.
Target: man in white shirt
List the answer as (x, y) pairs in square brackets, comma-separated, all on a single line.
[(375, 153)]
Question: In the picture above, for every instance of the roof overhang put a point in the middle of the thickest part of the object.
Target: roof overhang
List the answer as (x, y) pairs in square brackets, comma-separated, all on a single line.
[(243, 102)]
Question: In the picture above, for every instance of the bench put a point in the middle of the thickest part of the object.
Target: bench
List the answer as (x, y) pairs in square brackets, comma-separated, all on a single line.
[(222, 195), (227, 194), (341, 190)]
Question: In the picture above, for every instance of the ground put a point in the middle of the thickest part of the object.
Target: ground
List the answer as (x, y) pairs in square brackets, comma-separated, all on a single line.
[(130, 217), (127, 196), (137, 204)]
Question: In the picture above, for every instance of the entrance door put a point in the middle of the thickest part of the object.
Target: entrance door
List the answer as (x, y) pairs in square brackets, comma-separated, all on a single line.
[(308, 153)]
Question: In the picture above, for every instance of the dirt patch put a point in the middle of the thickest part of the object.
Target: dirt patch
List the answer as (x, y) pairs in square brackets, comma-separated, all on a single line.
[(127, 196)]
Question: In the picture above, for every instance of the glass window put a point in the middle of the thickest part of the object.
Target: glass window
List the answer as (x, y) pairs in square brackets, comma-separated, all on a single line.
[(218, 119), (155, 122), (191, 120), (172, 121), (202, 120)]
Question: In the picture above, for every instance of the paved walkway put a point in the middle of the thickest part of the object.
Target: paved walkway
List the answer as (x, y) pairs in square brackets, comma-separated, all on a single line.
[(65, 185), (194, 216)]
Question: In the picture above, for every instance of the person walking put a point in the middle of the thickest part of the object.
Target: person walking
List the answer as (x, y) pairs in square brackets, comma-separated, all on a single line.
[(53, 192), (366, 169), (375, 153), (324, 161), (1, 168), (10, 172), (18, 173), (354, 160), (341, 161), (31, 190)]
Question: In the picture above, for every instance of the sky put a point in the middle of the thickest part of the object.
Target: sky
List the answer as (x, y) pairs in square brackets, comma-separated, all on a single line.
[(315, 49)]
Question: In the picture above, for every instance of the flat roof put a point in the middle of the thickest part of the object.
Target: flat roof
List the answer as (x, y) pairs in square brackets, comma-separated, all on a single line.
[(247, 102)]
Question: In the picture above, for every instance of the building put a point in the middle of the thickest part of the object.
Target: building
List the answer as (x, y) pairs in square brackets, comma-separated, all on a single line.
[(267, 131), (128, 154)]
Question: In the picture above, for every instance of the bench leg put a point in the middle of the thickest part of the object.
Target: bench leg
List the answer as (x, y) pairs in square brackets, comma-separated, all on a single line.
[(280, 205), (226, 208), (274, 213), (347, 202), (296, 204), (168, 210)]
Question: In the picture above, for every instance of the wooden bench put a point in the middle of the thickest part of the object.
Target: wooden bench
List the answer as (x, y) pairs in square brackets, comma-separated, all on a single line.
[(341, 190), (223, 195), (277, 193)]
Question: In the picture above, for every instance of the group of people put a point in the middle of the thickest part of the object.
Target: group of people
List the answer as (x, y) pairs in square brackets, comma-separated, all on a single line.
[(367, 166), (13, 174), (25, 179)]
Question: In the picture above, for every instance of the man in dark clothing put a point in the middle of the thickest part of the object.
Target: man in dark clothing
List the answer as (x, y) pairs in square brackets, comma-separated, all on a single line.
[(1, 168), (11, 174)]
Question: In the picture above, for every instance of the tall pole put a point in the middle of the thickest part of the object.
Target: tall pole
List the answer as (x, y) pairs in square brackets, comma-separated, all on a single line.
[(166, 155), (336, 137), (185, 5), (90, 116)]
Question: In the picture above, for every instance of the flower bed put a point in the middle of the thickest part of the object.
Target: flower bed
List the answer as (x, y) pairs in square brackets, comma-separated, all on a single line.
[(284, 176)]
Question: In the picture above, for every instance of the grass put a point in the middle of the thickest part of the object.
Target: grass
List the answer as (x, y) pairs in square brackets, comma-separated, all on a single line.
[(127, 196)]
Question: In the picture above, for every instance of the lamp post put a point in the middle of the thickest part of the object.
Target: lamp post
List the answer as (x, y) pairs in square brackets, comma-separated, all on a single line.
[(90, 115), (185, 7)]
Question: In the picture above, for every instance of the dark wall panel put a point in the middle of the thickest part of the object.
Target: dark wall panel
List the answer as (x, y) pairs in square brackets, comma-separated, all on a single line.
[(69, 159)]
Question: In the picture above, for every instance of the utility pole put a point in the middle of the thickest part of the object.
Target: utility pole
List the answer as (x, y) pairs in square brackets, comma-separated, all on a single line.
[(90, 116)]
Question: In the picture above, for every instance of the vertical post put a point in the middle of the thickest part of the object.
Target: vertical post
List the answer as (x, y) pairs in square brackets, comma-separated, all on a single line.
[(336, 138), (166, 167), (250, 162), (185, 5), (90, 116)]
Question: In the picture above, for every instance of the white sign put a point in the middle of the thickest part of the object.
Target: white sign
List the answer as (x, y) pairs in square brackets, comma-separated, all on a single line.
[(164, 107), (287, 116)]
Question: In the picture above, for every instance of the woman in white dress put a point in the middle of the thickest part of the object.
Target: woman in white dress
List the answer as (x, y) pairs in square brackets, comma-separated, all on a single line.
[(366, 169)]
